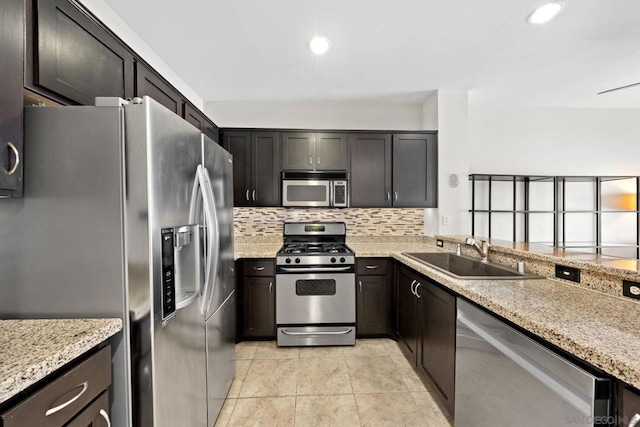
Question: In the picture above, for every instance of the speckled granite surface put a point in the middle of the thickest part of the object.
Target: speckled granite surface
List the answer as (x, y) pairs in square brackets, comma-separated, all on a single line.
[(601, 329), (32, 349)]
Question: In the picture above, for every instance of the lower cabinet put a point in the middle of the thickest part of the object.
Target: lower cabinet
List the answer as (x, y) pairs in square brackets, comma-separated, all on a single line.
[(79, 397), (426, 330), (374, 296), (630, 415), (257, 302)]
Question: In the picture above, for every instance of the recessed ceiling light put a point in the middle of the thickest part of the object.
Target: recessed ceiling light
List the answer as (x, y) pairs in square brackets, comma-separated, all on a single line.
[(319, 45), (545, 13)]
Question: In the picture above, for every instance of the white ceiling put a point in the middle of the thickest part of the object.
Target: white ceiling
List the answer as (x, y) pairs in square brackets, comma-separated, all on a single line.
[(397, 50)]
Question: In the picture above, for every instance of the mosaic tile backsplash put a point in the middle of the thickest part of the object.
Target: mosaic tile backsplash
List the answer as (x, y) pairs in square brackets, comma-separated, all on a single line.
[(360, 222)]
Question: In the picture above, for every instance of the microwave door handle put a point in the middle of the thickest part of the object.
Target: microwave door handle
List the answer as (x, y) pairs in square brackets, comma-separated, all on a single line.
[(332, 189)]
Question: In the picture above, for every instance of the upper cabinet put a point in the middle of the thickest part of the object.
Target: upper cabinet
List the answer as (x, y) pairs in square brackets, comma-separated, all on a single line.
[(415, 170), (148, 83), (256, 167), (12, 52), (370, 176), (73, 57), (308, 151)]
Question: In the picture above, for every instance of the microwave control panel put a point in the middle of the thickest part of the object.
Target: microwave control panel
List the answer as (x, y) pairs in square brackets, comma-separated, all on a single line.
[(340, 193), (168, 276)]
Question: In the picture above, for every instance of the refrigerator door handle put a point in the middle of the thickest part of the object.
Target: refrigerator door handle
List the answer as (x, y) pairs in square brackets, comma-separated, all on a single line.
[(200, 184), (214, 244)]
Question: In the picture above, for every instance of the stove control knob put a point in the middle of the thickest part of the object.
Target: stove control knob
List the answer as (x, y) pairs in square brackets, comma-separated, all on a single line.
[(342, 259), (297, 260), (333, 260), (288, 260)]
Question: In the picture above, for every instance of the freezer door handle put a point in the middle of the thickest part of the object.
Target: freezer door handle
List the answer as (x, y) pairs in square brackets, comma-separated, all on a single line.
[(214, 253)]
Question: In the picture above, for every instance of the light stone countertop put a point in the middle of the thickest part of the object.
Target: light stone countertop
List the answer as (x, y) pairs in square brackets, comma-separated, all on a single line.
[(31, 349), (601, 329)]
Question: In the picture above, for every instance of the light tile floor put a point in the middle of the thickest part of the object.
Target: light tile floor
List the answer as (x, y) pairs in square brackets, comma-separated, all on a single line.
[(370, 384)]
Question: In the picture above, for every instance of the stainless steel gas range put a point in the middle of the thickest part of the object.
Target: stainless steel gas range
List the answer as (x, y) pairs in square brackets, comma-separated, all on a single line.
[(315, 286)]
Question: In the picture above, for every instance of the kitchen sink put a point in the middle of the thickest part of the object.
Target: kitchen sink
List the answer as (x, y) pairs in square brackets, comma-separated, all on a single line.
[(467, 268)]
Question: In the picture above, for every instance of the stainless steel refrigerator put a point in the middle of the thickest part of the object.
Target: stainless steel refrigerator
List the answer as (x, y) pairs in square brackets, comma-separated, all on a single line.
[(128, 213)]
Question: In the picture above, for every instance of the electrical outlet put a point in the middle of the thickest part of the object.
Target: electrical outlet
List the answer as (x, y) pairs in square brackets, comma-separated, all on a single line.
[(445, 219)]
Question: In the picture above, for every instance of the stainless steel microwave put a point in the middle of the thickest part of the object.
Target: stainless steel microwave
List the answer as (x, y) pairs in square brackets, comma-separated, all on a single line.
[(315, 189)]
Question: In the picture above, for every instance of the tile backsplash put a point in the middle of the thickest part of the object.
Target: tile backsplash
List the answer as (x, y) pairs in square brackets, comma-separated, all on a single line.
[(360, 222)]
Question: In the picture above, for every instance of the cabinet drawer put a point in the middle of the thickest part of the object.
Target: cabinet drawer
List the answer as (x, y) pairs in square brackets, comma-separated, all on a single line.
[(94, 415), (259, 267), (63, 398), (371, 266)]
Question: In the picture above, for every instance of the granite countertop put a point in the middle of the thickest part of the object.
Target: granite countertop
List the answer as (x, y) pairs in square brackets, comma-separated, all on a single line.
[(32, 349), (602, 329)]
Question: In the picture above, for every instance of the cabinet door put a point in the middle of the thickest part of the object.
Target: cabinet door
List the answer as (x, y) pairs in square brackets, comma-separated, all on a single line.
[(11, 46), (148, 83), (76, 58), (259, 312), (94, 415), (373, 305), (194, 117), (265, 167), (239, 145), (211, 130), (331, 152), (407, 314), (298, 151), (370, 172), (438, 338), (415, 170), (630, 406)]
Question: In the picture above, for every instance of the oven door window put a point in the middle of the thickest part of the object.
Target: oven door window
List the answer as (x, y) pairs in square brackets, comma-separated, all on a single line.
[(315, 287)]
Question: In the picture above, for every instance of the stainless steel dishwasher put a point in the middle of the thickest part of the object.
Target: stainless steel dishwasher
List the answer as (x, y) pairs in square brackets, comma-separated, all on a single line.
[(504, 378)]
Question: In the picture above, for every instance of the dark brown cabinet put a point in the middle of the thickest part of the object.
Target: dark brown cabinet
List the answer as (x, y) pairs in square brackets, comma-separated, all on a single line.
[(370, 170), (74, 57), (407, 313), (78, 387), (11, 67), (200, 121), (258, 306), (630, 407), (437, 339), (149, 83), (256, 167), (427, 330), (373, 297), (415, 170), (308, 151)]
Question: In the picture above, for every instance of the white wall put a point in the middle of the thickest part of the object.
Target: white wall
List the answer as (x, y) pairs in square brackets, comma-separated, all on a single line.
[(105, 14), (554, 141), (453, 158), (316, 115)]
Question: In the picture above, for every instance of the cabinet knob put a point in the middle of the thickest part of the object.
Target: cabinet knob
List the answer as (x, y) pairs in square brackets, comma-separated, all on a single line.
[(16, 154)]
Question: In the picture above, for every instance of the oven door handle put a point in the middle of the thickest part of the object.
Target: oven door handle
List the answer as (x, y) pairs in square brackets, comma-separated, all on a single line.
[(314, 269), (346, 331)]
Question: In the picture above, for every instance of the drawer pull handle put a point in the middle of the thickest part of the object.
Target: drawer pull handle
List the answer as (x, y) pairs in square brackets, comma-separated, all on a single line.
[(372, 267), (60, 407), (104, 415), (16, 153), (258, 268), (634, 420)]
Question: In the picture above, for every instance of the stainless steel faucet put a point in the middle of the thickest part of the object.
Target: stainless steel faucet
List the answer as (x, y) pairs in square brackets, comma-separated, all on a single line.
[(484, 250)]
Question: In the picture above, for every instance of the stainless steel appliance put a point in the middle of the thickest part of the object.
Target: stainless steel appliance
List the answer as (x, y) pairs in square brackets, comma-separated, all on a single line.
[(315, 189), (127, 213), (315, 286), (504, 378)]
